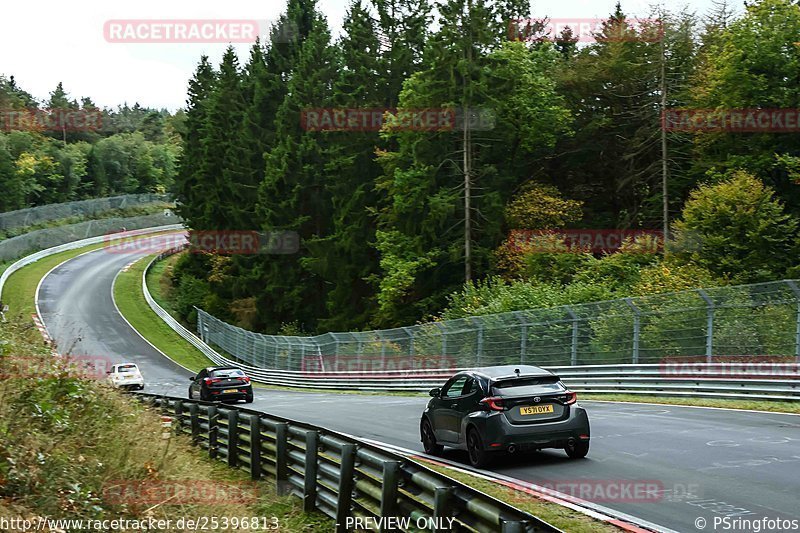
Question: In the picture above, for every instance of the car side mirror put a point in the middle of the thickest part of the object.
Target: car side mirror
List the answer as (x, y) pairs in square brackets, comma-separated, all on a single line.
[(435, 392), (191, 378)]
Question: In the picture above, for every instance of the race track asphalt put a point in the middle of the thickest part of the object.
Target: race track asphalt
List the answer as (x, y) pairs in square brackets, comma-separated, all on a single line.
[(709, 463)]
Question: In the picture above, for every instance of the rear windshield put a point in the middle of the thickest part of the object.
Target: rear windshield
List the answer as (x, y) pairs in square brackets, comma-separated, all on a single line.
[(227, 373), (526, 386), (127, 368)]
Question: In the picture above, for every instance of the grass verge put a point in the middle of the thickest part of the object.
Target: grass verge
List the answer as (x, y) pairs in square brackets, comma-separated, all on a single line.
[(74, 449), (19, 291), (131, 303), (561, 517), (755, 405)]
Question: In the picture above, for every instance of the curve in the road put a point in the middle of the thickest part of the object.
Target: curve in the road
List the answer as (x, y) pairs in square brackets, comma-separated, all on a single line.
[(707, 463)]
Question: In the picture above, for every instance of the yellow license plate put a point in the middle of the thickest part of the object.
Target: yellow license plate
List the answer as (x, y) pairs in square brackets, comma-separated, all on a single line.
[(536, 410), (232, 390)]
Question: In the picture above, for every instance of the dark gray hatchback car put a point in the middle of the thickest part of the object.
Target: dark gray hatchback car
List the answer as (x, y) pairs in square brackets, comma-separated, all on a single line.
[(504, 409)]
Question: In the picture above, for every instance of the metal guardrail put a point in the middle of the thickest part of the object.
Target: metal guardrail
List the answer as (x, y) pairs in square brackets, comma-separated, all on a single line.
[(339, 475), (682, 379), (27, 260)]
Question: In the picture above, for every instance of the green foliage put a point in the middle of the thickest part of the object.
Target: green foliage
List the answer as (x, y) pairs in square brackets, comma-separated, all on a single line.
[(133, 152), (542, 207), (738, 230)]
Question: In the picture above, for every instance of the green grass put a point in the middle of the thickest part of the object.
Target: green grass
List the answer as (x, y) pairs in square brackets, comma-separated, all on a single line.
[(66, 444), (561, 517), (756, 405), (19, 291), (131, 303)]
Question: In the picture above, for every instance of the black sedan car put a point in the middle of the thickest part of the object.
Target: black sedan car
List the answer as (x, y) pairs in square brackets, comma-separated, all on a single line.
[(504, 409), (221, 383)]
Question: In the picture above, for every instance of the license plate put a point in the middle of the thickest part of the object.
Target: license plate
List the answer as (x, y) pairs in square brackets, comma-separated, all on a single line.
[(536, 410), (232, 390)]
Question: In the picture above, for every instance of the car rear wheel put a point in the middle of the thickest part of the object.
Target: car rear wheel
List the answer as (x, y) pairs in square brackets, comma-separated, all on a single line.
[(577, 450), (477, 455), (248, 398), (429, 439)]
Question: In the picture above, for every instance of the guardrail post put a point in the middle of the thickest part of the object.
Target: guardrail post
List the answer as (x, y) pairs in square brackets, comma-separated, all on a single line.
[(255, 447), (442, 506), (179, 412), (709, 324), (389, 486), (513, 527), (573, 357), (346, 473), (213, 428), (281, 458), (636, 330), (793, 285), (310, 477), (233, 438), (195, 422)]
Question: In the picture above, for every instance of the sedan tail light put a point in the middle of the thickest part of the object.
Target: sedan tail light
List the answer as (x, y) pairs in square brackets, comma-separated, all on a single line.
[(245, 379), (572, 397), (209, 381), (493, 404)]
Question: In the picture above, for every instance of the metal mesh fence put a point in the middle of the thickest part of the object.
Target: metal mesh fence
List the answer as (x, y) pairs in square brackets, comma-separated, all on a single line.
[(21, 245), (36, 215), (706, 324)]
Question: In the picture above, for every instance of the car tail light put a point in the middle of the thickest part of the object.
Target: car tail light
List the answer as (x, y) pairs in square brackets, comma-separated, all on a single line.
[(572, 397), (494, 403), (209, 381), (245, 379)]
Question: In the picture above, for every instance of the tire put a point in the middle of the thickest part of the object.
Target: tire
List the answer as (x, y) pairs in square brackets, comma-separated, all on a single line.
[(190, 394), (429, 439), (578, 451), (204, 397), (248, 398), (478, 457)]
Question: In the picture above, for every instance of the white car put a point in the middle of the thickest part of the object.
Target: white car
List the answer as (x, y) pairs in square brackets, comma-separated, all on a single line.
[(126, 376)]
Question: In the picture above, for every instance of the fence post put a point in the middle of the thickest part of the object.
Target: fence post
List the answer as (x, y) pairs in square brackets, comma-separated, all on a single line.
[(346, 473), (479, 343), (793, 285), (573, 356), (709, 324), (213, 428), (281, 457), (444, 341), (195, 422), (636, 330), (233, 438), (390, 481), (523, 336), (255, 447), (442, 506), (410, 340), (310, 477)]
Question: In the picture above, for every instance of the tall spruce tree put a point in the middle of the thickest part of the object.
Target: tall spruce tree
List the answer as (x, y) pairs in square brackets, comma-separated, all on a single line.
[(294, 193), (190, 186)]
